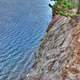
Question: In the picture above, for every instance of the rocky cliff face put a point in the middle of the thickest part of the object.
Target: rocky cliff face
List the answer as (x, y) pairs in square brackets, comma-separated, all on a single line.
[(59, 53)]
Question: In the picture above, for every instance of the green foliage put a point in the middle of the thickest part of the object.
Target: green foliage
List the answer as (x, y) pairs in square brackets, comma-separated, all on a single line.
[(63, 7)]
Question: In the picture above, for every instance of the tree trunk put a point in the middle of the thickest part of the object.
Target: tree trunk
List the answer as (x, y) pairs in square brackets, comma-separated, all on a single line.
[(79, 8)]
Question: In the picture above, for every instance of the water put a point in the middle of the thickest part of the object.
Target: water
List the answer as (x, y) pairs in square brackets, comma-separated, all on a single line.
[(22, 25)]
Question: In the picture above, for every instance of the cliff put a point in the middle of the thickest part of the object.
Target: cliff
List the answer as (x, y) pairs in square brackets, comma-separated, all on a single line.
[(59, 52)]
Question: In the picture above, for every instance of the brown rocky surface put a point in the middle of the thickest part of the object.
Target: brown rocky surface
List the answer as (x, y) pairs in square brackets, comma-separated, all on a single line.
[(59, 53), (71, 71)]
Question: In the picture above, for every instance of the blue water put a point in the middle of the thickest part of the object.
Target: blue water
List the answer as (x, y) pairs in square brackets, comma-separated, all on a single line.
[(22, 25)]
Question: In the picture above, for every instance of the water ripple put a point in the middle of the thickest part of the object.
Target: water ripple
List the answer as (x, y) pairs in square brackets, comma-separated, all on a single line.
[(22, 26)]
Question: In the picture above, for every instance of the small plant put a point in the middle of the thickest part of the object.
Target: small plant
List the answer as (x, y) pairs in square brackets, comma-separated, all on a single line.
[(63, 7)]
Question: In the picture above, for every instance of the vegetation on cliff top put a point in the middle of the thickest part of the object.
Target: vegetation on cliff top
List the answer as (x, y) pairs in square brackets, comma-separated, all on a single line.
[(64, 7)]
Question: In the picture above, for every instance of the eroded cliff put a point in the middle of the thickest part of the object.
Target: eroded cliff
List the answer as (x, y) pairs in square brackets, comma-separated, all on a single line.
[(59, 53)]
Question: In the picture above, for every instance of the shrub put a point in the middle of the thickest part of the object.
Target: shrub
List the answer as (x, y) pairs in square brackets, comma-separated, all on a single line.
[(63, 7)]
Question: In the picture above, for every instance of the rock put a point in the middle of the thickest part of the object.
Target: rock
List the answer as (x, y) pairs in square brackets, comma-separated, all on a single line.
[(59, 53)]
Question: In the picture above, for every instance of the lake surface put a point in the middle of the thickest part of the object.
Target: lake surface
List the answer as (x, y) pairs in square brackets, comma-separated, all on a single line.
[(23, 24)]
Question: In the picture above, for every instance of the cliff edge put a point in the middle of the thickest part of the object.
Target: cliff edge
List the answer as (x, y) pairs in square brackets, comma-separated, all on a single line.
[(59, 53)]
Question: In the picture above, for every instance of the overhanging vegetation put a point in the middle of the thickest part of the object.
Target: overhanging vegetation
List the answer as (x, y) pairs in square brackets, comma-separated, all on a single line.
[(65, 7)]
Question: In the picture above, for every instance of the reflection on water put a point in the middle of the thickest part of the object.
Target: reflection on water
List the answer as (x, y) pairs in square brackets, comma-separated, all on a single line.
[(22, 25)]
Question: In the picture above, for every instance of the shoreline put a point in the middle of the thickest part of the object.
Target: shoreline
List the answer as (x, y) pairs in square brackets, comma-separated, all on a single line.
[(59, 53), (43, 67)]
